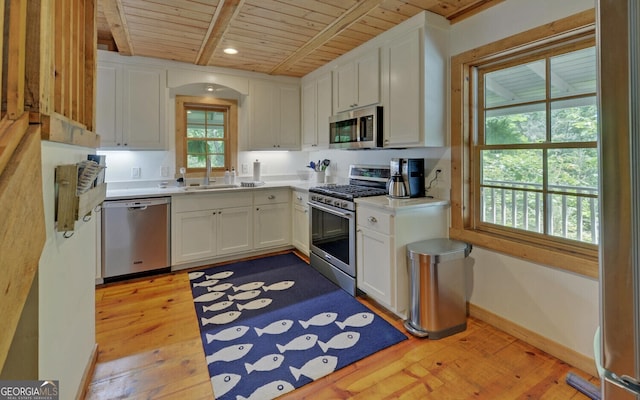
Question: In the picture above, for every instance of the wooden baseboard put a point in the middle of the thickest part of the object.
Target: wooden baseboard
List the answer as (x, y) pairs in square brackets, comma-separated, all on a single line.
[(88, 374), (557, 350)]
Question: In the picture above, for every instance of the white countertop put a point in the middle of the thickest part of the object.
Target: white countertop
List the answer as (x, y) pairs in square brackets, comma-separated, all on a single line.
[(157, 191), (391, 204)]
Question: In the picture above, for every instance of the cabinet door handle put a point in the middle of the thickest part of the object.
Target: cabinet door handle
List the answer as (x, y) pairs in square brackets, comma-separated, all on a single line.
[(271, 197), (299, 198), (373, 220)]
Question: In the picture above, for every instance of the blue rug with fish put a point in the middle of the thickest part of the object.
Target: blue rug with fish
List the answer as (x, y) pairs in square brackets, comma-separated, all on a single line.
[(274, 324)]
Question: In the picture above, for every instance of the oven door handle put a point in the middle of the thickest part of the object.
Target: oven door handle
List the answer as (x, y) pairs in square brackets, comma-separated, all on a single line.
[(331, 210)]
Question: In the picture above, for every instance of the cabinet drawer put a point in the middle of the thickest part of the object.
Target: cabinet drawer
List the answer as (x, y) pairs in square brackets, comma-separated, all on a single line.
[(209, 201), (271, 196), (375, 220), (299, 198)]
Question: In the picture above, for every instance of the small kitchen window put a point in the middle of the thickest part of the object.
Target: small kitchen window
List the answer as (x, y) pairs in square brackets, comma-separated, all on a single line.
[(526, 132), (205, 127)]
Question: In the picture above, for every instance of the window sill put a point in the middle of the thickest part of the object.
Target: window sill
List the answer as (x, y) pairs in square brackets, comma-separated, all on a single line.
[(582, 264)]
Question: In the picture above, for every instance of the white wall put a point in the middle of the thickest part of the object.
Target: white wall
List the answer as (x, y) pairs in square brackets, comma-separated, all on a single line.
[(66, 285), (558, 305)]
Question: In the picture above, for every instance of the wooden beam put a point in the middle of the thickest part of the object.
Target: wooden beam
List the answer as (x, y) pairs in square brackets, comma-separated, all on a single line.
[(335, 28), (22, 235), (16, 58), (114, 13), (58, 128), (90, 60), (11, 133), (225, 12)]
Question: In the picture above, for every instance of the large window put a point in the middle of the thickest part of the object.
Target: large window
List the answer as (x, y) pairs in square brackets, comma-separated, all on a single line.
[(524, 146), (536, 144), (205, 127)]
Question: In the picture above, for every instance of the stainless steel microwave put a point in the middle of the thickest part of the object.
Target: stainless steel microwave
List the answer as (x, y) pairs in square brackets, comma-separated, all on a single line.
[(356, 129)]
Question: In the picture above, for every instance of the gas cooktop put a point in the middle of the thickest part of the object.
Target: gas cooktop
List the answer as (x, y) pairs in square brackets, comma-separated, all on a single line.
[(348, 192)]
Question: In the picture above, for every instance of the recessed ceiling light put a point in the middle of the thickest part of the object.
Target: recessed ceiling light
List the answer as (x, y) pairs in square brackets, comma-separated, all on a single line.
[(230, 50), (210, 88)]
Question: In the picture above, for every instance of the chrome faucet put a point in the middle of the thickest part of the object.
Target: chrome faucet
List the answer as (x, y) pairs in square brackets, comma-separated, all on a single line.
[(207, 172)]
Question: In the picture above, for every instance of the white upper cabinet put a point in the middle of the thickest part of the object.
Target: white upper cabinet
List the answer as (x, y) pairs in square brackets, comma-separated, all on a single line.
[(316, 110), (130, 106), (274, 116), (414, 76), (357, 82)]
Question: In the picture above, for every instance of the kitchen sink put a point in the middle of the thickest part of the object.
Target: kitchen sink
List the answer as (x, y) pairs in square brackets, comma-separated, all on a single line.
[(200, 188)]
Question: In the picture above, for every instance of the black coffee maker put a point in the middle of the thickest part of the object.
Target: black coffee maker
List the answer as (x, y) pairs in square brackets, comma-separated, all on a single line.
[(412, 171)]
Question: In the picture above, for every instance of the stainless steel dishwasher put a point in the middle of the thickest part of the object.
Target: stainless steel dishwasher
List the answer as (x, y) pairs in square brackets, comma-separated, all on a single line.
[(135, 236)]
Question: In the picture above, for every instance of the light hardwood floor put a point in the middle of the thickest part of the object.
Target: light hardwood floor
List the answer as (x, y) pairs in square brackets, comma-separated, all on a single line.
[(150, 348)]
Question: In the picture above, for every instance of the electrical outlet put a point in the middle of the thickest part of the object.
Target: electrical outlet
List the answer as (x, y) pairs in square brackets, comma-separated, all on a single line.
[(136, 172), (164, 171), (245, 169)]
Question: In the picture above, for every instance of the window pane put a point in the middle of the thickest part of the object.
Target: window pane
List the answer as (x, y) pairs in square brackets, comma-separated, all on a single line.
[(215, 146), (217, 161), (573, 170), (512, 168), (573, 73), (196, 161), (574, 120), (216, 117), (519, 84), (515, 208), (574, 217), (523, 124), (216, 132), (195, 131), (196, 117), (196, 146)]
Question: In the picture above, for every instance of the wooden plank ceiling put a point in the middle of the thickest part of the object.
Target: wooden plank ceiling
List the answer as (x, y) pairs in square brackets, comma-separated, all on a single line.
[(277, 37)]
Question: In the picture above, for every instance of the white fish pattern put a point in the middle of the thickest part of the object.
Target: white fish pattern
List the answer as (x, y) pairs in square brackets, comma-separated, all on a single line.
[(223, 383), (275, 328), (230, 353), (221, 319), (266, 363), (248, 286), (195, 275), (255, 304), (211, 296), (303, 342), (279, 286), (269, 391), (217, 306), (316, 368), (205, 283), (322, 319), (220, 288), (340, 341), (251, 294), (219, 275), (228, 334), (357, 320)]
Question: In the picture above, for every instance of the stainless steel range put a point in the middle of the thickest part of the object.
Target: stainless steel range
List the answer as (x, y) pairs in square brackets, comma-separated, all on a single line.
[(333, 222)]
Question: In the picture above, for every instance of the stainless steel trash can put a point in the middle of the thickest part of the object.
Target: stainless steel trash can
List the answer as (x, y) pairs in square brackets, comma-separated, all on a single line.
[(437, 303)]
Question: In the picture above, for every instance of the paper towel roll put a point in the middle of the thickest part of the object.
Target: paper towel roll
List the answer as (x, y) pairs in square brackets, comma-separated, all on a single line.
[(256, 171)]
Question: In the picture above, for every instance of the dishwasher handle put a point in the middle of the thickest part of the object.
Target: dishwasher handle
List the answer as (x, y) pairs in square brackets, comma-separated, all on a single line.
[(136, 204)]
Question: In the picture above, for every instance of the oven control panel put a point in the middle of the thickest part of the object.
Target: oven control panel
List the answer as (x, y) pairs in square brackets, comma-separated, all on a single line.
[(332, 201)]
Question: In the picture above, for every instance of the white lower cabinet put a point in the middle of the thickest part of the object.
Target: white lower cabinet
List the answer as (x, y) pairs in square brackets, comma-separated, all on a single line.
[(210, 225), (381, 239), (272, 218), (300, 221), (234, 230), (205, 226)]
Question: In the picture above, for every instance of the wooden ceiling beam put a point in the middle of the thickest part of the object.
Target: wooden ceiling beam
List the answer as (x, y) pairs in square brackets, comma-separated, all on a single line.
[(226, 11), (114, 14), (335, 28)]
